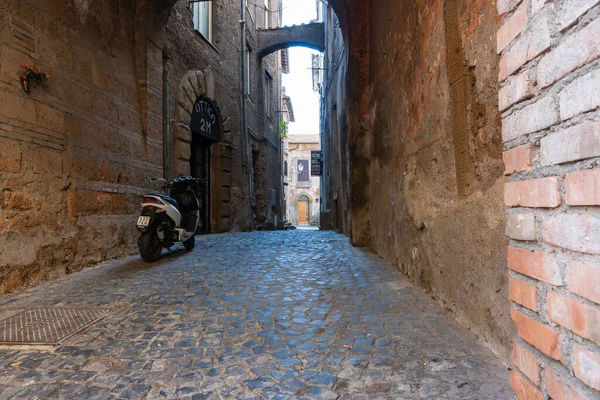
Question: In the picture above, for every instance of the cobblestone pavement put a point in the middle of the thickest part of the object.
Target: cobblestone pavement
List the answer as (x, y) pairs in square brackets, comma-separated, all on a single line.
[(271, 315)]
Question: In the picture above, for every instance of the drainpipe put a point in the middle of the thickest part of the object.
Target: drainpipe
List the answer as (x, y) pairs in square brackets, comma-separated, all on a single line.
[(166, 119), (244, 112)]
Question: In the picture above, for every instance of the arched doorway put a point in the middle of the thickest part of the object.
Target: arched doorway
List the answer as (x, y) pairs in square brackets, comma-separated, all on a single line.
[(205, 129), (202, 147), (303, 210)]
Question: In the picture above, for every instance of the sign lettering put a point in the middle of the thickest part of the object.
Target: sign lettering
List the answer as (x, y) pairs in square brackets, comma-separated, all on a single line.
[(205, 120)]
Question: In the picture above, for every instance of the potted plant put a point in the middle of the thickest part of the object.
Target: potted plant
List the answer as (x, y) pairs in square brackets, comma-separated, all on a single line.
[(29, 72)]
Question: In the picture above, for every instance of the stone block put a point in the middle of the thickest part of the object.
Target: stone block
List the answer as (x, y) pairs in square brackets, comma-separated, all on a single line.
[(10, 155), (50, 117), (182, 151)]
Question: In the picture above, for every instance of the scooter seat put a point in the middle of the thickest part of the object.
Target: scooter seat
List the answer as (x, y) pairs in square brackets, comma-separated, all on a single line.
[(168, 199)]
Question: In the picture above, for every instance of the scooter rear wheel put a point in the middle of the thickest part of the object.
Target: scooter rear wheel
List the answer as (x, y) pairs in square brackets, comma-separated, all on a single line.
[(150, 246)]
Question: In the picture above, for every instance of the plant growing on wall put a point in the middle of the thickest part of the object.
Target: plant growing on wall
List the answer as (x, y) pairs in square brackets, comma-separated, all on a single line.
[(283, 128), (29, 72)]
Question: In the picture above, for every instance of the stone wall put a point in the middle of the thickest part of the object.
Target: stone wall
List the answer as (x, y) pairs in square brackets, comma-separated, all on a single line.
[(424, 155), (550, 80), (73, 158)]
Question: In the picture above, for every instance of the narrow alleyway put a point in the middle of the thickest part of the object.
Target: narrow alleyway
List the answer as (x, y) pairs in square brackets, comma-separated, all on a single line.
[(297, 314)]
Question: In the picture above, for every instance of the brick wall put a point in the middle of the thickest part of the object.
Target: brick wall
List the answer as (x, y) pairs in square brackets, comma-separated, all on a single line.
[(549, 95)]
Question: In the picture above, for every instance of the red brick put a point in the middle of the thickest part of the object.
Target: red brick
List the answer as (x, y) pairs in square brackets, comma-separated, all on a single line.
[(533, 118), (538, 265), (558, 387), (520, 227), (542, 192), (583, 188), (570, 10), (523, 293), (574, 232), (581, 95), (576, 51), (526, 47), (539, 335), (574, 143), (518, 89), (586, 365), (575, 316), (517, 159), (524, 389), (526, 362), (584, 280), (511, 27)]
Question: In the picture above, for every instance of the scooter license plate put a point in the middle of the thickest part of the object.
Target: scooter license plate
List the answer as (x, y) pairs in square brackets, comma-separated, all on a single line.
[(143, 221)]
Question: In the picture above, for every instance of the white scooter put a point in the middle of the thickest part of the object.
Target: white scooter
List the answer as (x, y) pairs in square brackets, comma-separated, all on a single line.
[(166, 220)]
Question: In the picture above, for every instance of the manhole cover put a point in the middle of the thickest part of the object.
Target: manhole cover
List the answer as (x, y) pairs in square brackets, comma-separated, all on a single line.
[(48, 326)]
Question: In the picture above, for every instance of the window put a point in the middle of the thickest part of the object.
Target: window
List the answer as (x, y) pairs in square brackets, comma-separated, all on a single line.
[(203, 18), (268, 94), (267, 13), (248, 69), (303, 171)]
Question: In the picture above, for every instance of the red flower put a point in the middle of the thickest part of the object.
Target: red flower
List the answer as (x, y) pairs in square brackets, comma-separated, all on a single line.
[(47, 77), (24, 66), (36, 70)]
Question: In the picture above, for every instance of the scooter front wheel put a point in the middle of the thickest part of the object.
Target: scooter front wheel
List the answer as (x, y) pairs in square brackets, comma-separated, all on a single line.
[(150, 246), (190, 243)]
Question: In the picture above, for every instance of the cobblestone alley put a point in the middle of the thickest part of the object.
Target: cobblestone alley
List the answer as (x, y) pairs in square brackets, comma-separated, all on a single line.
[(269, 315)]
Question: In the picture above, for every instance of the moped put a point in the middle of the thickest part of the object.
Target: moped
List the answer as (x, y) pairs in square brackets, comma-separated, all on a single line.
[(166, 220)]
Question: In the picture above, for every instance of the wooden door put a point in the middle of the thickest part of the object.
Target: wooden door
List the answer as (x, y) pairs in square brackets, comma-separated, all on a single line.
[(303, 212)]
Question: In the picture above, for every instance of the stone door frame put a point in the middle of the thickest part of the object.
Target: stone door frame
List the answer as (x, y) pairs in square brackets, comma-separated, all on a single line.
[(193, 85)]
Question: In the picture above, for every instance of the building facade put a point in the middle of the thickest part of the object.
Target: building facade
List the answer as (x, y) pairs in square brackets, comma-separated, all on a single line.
[(303, 189), (137, 89)]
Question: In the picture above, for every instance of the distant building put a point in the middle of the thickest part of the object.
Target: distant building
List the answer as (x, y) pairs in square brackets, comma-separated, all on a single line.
[(302, 191)]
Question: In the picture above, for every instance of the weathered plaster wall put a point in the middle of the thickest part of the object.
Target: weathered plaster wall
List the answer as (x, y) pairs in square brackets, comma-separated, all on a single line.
[(445, 234)]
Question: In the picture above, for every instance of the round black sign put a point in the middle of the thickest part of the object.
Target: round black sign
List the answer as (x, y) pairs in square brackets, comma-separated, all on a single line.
[(205, 120)]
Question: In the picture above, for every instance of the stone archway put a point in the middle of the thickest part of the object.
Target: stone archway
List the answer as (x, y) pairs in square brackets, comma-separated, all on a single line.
[(193, 85)]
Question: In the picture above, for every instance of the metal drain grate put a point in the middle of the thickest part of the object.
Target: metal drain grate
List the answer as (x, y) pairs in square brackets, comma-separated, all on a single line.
[(48, 326)]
